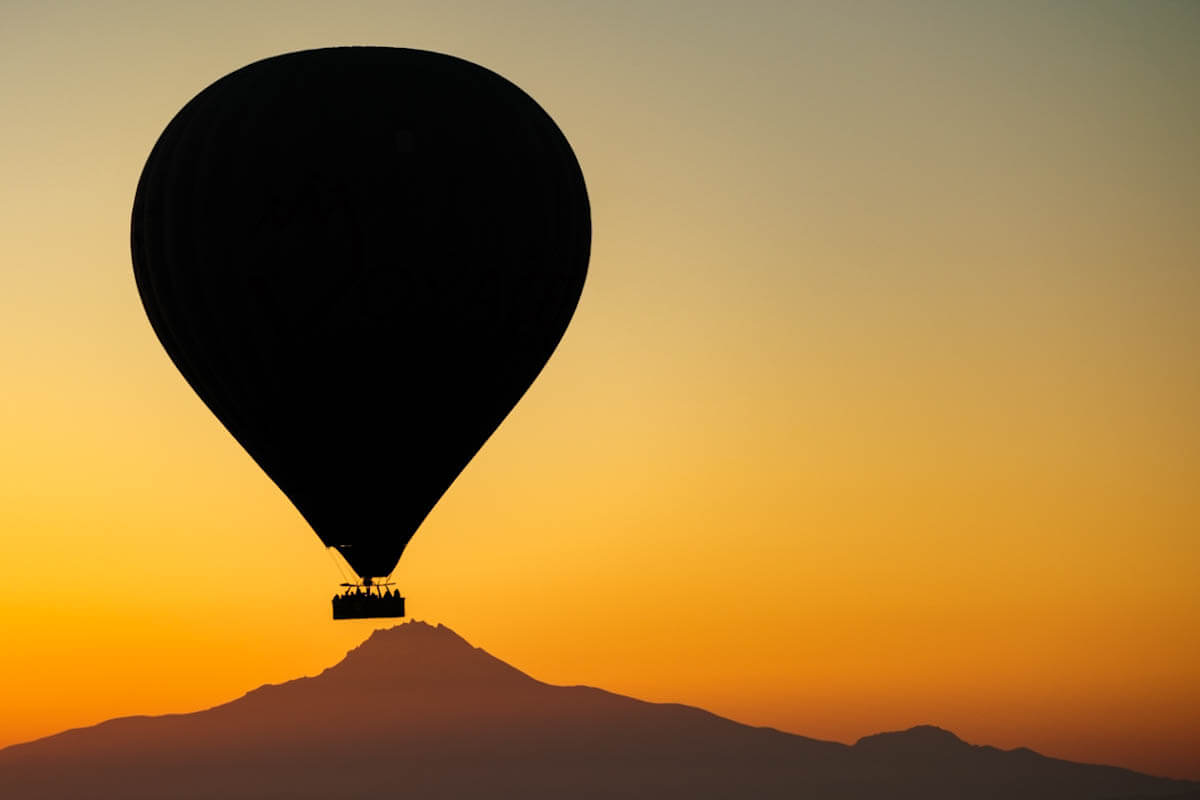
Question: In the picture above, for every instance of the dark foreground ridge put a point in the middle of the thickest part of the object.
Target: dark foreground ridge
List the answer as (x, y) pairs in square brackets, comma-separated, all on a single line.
[(415, 711)]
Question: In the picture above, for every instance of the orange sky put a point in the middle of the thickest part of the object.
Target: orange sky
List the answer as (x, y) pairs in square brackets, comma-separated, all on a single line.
[(881, 406)]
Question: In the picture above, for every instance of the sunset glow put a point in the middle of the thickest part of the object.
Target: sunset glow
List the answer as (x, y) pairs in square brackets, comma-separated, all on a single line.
[(881, 406)]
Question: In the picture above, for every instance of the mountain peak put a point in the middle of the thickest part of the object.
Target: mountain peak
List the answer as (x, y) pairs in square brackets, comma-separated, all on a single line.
[(415, 653), (411, 633), (925, 739)]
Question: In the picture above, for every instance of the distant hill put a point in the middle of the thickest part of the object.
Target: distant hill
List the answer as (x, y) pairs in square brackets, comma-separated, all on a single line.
[(415, 711)]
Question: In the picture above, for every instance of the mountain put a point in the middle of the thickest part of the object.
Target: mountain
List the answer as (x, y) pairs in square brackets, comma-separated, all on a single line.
[(416, 711)]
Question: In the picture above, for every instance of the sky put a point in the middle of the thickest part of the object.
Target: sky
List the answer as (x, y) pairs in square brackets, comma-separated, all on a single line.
[(881, 406)]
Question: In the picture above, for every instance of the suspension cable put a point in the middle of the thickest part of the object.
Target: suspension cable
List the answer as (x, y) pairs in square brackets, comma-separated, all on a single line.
[(337, 564)]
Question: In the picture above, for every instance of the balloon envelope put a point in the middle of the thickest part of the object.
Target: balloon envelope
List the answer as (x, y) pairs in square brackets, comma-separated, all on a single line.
[(360, 259)]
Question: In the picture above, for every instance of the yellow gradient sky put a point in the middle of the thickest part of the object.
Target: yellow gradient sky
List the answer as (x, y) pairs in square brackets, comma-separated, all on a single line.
[(881, 406)]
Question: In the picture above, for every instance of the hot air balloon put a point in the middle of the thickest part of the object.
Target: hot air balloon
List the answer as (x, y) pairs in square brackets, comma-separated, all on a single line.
[(360, 258)]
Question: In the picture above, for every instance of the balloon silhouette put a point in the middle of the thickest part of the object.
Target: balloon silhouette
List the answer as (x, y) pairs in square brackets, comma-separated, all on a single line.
[(360, 258)]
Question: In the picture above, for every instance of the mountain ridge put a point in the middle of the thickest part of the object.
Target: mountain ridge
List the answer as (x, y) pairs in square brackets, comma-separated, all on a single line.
[(417, 710)]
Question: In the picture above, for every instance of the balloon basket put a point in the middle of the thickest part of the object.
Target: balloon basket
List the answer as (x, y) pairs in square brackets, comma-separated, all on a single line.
[(367, 605)]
